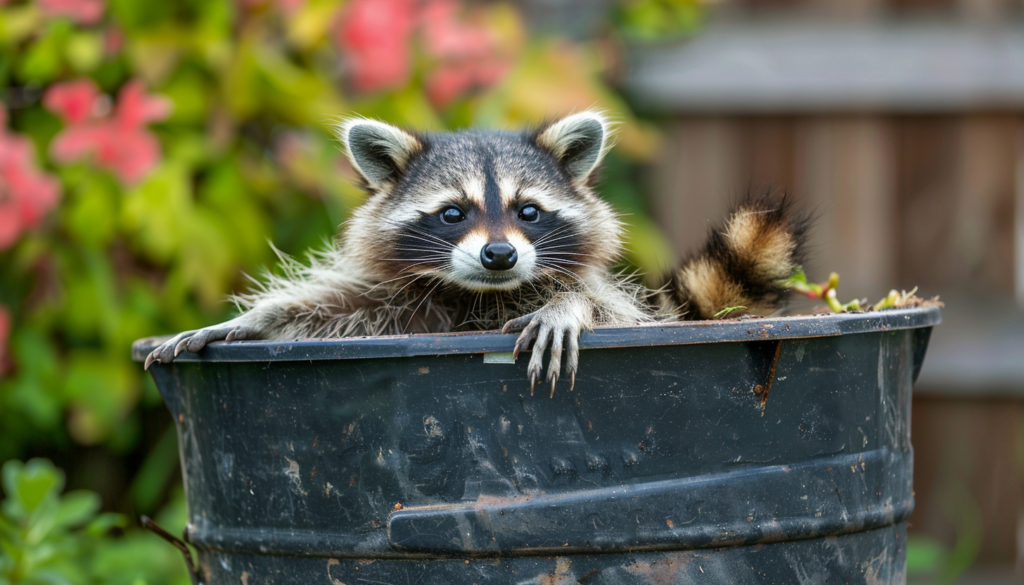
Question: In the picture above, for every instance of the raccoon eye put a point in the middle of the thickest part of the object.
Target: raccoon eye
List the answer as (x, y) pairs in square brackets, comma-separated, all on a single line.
[(529, 213), (452, 215)]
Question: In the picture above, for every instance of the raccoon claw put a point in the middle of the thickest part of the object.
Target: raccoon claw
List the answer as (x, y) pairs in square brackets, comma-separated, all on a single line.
[(542, 333), (572, 357), (180, 347), (523, 342), (518, 323), (195, 341)]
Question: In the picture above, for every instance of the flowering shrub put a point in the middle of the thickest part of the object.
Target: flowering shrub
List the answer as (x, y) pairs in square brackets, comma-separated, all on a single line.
[(26, 193), (375, 37), (149, 150), (120, 142)]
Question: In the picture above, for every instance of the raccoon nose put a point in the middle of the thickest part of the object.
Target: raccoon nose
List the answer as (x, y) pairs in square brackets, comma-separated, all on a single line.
[(500, 256)]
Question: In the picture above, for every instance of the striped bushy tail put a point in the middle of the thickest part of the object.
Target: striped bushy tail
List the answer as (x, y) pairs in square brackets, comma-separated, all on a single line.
[(743, 264)]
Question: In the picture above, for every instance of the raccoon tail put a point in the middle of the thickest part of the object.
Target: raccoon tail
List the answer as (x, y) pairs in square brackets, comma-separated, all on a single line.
[(744, 262)]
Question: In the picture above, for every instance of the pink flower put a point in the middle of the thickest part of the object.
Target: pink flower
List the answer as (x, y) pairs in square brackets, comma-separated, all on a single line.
[(113, 40), (375, 35), (135, 108), (74, 101), (81, 11), (289, 7), (445, 36), (469, 54), (121, 142), (26, 194), (450, 80)]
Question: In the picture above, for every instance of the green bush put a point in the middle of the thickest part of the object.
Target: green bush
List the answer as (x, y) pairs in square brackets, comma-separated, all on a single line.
[(51, 538)]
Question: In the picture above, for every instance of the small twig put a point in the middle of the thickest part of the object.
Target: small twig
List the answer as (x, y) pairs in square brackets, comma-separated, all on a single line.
[(825, 291), (177, 543)]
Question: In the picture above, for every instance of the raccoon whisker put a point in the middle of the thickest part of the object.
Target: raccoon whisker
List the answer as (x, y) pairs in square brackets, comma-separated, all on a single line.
[(406, 285), (534, 287), (546, 254), (556, 264), (552, 240), (447, 245), (564, 261), (442, 243), (419, 260), (412, 315), (560, 261), (551, 233), (430, 237), (425, 237), (391, 299), (501, 308), (413, 262), (563, 271), (472, 308), (569, 258), (572, 249), (425, 253), (545, 247), (576, 266), (423, 245), (548, 236), (379, 284), (415, 276)]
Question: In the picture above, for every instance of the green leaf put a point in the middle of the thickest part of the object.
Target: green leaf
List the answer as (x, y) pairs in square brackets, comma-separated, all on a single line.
[(28, 486), (104, 523), (188, 91), (157, 212), (728, 310), (157, 469), (91, 210), (76, 508), (32, 391), (19, 22), (42, 61), (84, 51), (101, 390), (924, 556)]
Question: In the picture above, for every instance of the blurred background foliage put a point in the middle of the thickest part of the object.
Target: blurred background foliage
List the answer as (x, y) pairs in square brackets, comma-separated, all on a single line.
[(148, 153)]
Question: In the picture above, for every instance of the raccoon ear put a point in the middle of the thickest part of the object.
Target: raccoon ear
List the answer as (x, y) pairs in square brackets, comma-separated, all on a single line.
[(377, 150), (579, 142)]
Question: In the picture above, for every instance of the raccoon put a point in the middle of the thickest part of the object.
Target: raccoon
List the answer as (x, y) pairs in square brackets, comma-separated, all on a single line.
[(483, 230)]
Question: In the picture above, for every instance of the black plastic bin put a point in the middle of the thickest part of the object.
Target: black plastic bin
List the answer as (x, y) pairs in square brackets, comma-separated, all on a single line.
[(741, 451)]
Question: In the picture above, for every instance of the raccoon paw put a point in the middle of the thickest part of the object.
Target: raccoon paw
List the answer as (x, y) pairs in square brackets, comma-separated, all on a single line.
[(194, 341), (546, 329)]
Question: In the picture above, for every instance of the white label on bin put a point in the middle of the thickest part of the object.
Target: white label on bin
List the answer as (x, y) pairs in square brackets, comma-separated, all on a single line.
[(499, 357)]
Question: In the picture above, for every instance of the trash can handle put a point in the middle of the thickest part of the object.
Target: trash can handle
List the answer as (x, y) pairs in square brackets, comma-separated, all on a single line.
[(823, 497)]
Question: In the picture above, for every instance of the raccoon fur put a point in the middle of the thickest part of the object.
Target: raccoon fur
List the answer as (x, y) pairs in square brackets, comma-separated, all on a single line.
[(482, 230), (743, 264)]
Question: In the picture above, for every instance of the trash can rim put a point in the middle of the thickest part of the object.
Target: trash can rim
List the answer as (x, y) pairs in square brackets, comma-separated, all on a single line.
[(659, 334)]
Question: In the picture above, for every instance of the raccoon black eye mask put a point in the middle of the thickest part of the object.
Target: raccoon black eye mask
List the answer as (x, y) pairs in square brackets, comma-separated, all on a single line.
[(481, 230)]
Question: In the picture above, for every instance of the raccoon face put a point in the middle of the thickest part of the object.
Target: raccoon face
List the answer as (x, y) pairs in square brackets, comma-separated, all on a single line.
[(483, 210)]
